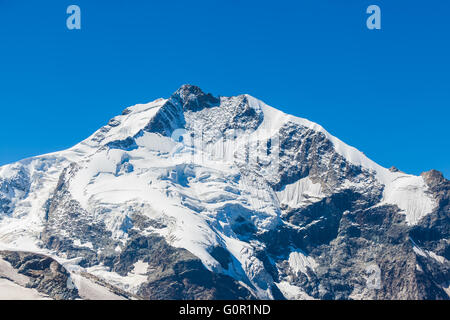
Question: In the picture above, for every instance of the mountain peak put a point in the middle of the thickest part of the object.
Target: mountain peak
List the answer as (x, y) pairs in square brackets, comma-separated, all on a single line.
[(190, 88), (434, 178), (249, 195), (192, 98)]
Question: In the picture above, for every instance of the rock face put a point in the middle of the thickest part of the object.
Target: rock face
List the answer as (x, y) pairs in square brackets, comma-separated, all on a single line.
[(44, 274), (176, 273), (199, 197)]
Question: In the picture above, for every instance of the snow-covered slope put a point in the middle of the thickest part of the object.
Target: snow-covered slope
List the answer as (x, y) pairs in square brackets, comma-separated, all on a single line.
[(213, 176)]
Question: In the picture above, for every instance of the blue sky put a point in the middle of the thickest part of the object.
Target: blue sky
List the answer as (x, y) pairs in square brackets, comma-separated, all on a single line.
[(386, 92)]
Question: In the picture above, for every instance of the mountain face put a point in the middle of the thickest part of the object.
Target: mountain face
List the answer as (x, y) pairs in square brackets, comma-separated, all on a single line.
[(203, 197)]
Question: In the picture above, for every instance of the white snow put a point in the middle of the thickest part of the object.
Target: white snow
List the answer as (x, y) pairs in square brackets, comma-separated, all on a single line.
[(427, 253), (301, 192), (292, 292), (140, 268), (78, 243), (409, 194), (129, 283), (300, 262), (89, 290), (7, 271), (436, 257), (446, 288), (419, 251), (197, 193), (12, 291)]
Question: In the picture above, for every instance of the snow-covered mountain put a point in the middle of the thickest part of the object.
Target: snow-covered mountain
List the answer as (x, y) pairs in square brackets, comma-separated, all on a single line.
[(203, 197)]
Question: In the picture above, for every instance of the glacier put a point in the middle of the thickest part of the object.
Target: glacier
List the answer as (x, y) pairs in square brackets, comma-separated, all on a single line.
[(261, 201)]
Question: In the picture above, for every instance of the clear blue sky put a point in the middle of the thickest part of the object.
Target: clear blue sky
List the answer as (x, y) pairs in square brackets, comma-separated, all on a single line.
[(385, 92)]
